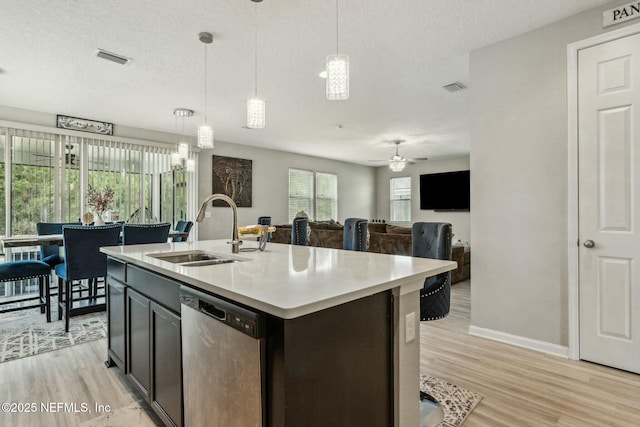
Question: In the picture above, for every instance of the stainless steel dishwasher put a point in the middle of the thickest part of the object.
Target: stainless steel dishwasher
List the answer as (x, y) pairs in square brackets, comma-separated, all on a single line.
[(223, 348)]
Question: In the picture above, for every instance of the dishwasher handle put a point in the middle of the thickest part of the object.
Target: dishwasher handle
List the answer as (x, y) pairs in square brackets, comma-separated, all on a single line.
[(212, 310)]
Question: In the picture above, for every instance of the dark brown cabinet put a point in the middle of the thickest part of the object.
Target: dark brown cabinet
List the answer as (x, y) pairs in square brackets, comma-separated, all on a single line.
[(145, 336), (116, 323), (138, 334), (166, 366)]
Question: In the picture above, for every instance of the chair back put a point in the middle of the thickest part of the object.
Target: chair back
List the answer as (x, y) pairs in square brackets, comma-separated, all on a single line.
[(265, 220), (433, 240), (82, 255), (51, 253), (139, 234), (299, 229), (355, 234), (185, 227)]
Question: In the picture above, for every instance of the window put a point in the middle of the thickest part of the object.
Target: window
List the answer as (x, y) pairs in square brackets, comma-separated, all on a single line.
[(316, 193), (400, 197)]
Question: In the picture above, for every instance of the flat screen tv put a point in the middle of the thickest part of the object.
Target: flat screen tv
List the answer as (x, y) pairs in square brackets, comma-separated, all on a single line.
[(448, 191)]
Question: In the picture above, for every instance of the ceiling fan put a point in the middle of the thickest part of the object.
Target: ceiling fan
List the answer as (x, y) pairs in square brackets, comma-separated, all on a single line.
[(397, 163)]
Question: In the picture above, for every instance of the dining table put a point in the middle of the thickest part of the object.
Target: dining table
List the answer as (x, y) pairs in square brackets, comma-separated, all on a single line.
[(53, 239)]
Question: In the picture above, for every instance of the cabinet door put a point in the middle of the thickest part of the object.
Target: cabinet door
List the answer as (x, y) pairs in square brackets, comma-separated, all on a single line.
[(167, 363), (138, 355), (116, 322)]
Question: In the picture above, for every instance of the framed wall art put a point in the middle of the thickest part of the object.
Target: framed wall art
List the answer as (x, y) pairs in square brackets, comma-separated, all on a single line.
[(84, 125), (232, 176)]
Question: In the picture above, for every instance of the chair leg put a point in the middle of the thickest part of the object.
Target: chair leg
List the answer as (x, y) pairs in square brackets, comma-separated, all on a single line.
[(41, 293), (67, 305), (61, 298), (47, 298)]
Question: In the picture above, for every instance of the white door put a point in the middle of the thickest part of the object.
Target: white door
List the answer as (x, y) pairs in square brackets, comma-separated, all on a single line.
[(609, 202)]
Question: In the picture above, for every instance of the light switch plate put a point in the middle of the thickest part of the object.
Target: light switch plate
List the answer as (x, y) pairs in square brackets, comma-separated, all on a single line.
[(410, 327)]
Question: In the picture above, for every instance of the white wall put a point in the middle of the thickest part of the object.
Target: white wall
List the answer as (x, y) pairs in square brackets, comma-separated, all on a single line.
[(459, 220), (519, 188), (270, 187)]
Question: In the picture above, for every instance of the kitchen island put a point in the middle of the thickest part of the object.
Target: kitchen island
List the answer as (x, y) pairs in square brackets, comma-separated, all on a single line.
[(341, 345)]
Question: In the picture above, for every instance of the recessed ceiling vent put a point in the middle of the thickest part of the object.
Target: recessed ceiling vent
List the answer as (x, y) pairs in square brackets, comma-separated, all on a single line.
[(454, 87), (118, 59)]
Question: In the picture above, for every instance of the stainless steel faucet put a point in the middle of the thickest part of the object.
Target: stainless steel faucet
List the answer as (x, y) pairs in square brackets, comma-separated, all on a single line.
[(235, 242)]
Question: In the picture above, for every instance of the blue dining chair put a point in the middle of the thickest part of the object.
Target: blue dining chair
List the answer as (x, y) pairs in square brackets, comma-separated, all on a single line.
[(50, 254), (355, 234), (185, 227), (83, 261), (139, 234)]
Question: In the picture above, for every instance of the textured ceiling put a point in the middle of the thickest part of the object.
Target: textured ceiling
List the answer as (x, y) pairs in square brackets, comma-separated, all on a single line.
[(402, 52)]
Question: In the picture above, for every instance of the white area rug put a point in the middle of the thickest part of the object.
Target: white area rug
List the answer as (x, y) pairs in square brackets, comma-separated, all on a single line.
[(29, 335), (457, 402)]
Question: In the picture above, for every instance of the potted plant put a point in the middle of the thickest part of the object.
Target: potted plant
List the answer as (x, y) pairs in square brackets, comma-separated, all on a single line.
[(99, 202)]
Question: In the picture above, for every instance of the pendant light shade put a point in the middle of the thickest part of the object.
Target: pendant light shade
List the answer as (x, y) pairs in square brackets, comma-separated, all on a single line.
[(256, 107), (337, 77), (205, 132), (255, 113), (175, 159), (205, 136), (183, 150), (337, 71)]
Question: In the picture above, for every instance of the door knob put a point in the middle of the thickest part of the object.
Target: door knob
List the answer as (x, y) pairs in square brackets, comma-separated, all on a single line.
[(589, 244)]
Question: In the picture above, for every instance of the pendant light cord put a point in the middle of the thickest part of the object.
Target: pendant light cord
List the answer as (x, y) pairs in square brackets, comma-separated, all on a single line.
[(255, 59), (337, 50), (205, 84)]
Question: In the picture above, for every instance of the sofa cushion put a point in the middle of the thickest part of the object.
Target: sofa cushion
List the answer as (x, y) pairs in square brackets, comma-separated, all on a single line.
[(377, 227), (396, 229)]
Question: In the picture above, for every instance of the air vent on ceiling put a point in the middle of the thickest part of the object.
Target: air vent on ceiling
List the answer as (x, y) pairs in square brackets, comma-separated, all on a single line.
[(454, 87), (118, 59)]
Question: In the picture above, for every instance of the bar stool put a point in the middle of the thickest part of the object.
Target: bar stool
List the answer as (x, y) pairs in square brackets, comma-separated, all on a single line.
[(22, 270), (355, 234)]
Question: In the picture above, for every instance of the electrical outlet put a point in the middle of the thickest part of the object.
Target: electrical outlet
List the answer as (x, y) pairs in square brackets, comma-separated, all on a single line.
[(410, 327), (207, 214)]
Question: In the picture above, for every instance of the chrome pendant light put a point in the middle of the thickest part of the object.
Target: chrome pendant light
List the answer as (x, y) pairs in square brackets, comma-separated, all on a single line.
[(256, 108), (205, 132), (337, 72)]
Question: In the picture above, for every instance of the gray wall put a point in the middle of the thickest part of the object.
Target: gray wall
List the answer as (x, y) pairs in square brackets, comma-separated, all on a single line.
[(459, 220), (519, 158), (356, 184), (356, 187)]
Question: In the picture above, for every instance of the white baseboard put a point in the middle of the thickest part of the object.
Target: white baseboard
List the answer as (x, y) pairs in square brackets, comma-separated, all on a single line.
[(518, 341)]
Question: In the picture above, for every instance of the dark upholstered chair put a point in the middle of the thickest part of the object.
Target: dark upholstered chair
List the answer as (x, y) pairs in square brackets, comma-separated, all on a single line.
[(184, 226), (50, 254), (83, 261), (25, 270), (299, 229), (355, 234), (265, 220), (433, 240), (140, 234)]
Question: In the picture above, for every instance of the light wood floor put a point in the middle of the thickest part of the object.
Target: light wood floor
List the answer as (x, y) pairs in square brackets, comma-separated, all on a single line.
[(524, 387), (520, 387)]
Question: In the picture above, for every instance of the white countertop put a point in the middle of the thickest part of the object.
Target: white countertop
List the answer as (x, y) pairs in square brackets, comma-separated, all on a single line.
[(288, 281)]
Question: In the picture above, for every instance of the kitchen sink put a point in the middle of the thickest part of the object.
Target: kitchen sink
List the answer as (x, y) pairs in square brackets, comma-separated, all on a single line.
[(193, 258)]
